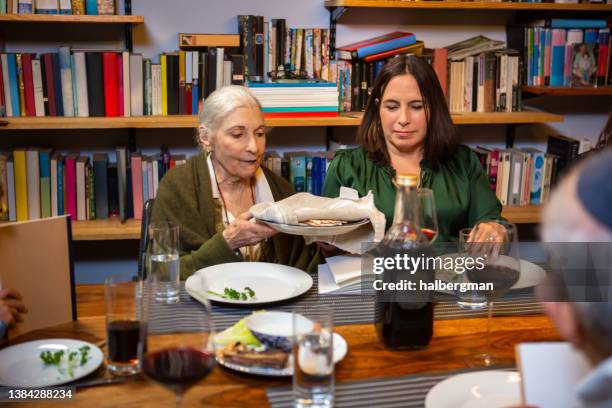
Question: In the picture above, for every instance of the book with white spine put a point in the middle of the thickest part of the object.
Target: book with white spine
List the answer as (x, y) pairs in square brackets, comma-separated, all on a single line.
[(127, 112), (80, 72), (39, 103)]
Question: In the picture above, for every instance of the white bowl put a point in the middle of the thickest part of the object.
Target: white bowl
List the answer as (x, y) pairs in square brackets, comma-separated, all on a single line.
[(275, 329)]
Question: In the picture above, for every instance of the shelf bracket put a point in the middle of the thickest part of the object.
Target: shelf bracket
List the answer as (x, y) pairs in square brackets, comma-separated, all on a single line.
[(334, 15), (510, 136), (129, 43)]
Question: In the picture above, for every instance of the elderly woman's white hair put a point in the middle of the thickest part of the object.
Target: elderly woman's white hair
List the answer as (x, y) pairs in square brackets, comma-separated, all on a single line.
[(221, 103)]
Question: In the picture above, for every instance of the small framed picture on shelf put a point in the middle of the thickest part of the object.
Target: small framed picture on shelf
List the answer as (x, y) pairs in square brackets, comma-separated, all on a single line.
[(584, 65)]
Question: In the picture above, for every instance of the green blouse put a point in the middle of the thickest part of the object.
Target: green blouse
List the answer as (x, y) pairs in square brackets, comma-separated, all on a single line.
[(460, 186)]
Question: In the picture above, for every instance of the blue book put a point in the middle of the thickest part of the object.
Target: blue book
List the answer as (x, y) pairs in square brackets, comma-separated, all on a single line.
[(297, 173), (318, 175), (557, 59), (302, 109), (74, 86), (60, 187), (44, 169), (57, 83), (386, 46), (91, 7), (13, 84), (145, 182), (535, 62), (577, 23), (591, 36)]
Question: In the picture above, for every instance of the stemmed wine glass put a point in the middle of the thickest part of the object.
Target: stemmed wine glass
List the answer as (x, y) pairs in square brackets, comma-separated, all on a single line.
[(429, 217), (500, 267), (175, 354)]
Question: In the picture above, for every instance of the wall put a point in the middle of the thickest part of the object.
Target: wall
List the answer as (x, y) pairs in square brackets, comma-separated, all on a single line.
[(164, 19)]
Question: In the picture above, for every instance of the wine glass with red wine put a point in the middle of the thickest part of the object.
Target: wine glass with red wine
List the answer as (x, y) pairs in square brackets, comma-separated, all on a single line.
[(177, 353), (429, 217), (500, 268)]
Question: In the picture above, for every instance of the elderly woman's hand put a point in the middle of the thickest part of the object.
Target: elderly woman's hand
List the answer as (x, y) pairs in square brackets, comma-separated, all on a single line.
[(242, 232), (11, 307), (486, 237)]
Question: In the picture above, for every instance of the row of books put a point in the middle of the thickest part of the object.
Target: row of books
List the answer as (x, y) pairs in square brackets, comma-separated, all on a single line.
[(564, 52), (525, 176), (87, 83), (77, 7), (304, 170), (39, 183), (270, 47)]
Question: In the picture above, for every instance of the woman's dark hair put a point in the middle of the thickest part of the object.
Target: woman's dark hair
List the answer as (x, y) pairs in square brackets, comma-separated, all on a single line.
[(440, 141)]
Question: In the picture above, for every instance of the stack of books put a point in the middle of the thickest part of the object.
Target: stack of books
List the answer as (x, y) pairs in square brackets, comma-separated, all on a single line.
[(299, 98)]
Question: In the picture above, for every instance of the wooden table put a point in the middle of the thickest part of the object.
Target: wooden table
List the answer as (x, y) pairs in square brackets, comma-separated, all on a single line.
[(452, 341)]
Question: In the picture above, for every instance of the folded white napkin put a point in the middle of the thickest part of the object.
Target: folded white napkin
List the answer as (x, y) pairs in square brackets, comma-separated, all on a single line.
[(348, 207), (344, 268), (327, 285)]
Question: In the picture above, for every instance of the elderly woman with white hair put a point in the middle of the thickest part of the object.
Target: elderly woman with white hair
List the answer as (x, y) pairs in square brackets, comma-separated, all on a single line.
[(209, 197), (579, 216)]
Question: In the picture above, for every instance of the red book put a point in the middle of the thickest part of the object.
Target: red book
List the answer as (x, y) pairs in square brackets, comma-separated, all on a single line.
[(70, 186), (372, 41), (48, 60), (440, 66), (28, 81), (120, 80), (111, 86), (188, 100), (136, 166), (300, 114)]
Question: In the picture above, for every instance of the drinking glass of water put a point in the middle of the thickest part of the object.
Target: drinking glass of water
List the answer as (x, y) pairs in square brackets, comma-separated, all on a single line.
[(313, 359), (164, 265)]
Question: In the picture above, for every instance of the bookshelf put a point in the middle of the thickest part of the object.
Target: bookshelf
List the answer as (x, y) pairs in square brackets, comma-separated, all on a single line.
[(190, 121), (466, 5), (113, 229), (566, 91), (70, 19)]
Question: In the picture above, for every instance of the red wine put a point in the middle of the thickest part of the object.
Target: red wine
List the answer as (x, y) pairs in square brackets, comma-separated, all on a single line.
[(404, 325), (502, 278), (122, 340), (178, 368)]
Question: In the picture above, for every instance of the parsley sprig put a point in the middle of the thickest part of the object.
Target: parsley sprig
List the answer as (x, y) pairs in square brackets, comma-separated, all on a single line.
[(233, 294), (75, 359)]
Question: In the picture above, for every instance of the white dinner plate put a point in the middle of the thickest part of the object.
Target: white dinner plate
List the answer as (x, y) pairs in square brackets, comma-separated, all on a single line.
[(21, 365), (530, 273), (270, 282), (309, 231), (480, 389), (340, 350)]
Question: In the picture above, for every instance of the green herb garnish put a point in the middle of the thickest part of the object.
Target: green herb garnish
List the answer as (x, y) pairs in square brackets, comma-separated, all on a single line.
[(75, 359), (233, 294)]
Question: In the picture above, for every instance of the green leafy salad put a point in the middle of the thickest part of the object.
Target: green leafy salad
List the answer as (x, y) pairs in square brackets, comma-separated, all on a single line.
[(66, 362)]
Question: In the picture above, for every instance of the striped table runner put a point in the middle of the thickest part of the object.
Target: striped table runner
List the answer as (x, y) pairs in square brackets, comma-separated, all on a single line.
[(396, 392), (348, 309)]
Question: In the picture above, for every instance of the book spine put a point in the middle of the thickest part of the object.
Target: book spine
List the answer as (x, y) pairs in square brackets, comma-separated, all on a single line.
[(111, 86), (91, 7), (53, 180), (28, 82), (82, 95), (14, 84), (61, 189), (120, 83), (65, 7), (70, 187), (4, 61), (298, 173), (10, 176), (4, 203), (100, 172), (33, 183), (21, 185), (57, 84), (604, 56), (136, 179), (136, 85), (45, 183), (66, 81), (46, 7), (557, 57), (536, 178), (78, 7)]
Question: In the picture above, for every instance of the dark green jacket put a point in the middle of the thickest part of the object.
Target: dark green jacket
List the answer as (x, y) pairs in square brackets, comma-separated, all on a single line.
[(461, 189), (185, 197)]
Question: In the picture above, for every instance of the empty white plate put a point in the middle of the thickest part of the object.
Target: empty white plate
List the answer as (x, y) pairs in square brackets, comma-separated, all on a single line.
[(270, 282), (480, 389), (22, 366)]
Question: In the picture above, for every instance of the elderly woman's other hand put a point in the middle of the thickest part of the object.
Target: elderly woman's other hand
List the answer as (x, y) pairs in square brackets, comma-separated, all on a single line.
[(242, 232), (11, 307)]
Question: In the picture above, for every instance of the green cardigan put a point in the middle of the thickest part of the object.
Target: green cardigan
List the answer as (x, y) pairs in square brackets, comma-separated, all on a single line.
[(461, 189), (185, 197)]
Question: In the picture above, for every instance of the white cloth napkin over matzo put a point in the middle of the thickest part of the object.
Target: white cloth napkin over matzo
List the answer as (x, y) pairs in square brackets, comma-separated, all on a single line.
[(305, 206)]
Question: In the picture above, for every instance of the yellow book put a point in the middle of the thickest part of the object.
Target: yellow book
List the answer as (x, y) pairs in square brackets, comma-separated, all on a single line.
[(20, 82), (164, 87), (21, 185)]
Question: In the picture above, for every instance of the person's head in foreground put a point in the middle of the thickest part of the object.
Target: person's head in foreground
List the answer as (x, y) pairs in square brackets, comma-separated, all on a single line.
[(580, 210)]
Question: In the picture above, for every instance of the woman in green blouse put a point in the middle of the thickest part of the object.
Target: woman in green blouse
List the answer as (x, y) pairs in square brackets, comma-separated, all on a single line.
[(407, 128)]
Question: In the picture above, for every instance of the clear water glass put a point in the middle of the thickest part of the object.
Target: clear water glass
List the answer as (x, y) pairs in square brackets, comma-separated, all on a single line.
[(313, 359), (164, 264)]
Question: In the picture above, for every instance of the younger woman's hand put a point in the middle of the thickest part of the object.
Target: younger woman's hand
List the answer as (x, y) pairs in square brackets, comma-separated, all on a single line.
[(242, 232)]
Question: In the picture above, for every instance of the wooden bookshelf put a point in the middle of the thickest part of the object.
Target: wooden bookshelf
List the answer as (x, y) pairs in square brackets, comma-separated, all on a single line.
[(70, 19), (113, 229), (566, 91), (99, 230), (466, 5), (189, 121), (522, 214)]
